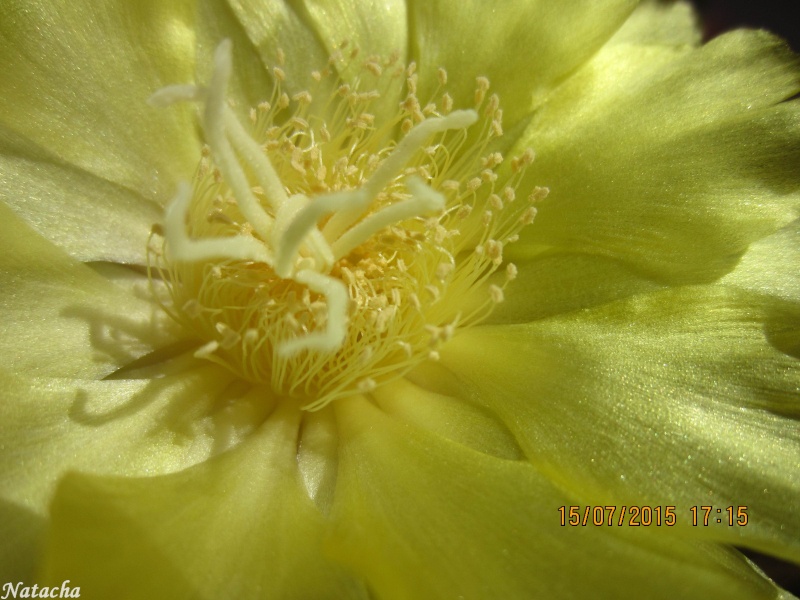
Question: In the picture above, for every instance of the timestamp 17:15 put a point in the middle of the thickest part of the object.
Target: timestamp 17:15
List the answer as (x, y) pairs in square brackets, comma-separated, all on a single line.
[(731, 515)]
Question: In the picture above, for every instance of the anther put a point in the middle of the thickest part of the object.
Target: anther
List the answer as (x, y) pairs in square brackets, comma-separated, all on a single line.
[(447, 103), (527, 217), (482, 86), (302, 98), (206, 350), (496, 294)]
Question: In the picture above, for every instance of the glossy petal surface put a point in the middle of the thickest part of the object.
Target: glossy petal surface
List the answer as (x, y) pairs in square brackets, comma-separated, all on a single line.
[(75, 78), (424, 518), (50, 301), (239, 526), (525, 47), (680, 397), (670, 159)]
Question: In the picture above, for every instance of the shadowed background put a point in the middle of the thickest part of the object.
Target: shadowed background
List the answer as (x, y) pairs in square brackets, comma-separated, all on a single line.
[(778, 16)]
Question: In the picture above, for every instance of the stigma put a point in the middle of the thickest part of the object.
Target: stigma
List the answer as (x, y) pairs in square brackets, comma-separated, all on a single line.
[(324, 249)]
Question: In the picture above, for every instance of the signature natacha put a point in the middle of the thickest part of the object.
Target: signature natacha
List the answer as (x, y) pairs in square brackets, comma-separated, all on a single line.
[(20, 590)]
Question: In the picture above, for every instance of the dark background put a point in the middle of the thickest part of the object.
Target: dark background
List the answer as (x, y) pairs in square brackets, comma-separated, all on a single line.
[(779, 17)]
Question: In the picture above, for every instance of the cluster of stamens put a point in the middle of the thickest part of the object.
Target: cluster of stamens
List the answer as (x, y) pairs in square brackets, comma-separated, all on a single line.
[(321, 254)]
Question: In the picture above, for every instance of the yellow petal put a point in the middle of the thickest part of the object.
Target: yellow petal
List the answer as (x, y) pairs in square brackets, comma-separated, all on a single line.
[(554, 283), (670, 159), (236, 527), (420, 517), (377, 27), (250, 81), (63, 320), (115, 427), (271, 26), (88, 217), (660, 24), (770, 265), (678, 398), (21, 531), (451, 418), (127, 427), (525, 47), (75, 78)]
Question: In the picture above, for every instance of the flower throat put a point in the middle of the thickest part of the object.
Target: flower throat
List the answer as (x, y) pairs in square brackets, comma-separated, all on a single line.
[(328, 250)]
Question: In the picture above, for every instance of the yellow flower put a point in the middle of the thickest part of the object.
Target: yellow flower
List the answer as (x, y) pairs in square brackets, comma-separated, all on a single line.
[(473, 436)]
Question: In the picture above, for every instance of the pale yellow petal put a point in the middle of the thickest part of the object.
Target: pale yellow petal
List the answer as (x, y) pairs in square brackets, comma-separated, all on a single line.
[(131, 427), (771, 265), (559, 282), (85, 215), (670, 159), (451, 418), (285, 26), (656, 23), (421, 517), (677, 398), (238, 527), (75, 78), (375, 27), (61, 319), (115, 427), (365, 31), (525, 47)]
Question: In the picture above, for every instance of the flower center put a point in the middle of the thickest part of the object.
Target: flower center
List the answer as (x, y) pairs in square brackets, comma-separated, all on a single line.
[(326, 251)]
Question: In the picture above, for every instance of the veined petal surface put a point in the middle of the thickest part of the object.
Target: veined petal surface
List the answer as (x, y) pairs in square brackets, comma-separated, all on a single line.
[(61, 319), (525, 47), (237, 527), (421, 517), (681, 398), (670, 158), (75, 78)]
